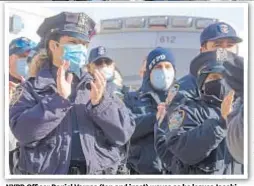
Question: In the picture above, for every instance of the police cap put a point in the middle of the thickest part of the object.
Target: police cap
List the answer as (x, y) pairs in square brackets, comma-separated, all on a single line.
[(77, 25), (220, 30)]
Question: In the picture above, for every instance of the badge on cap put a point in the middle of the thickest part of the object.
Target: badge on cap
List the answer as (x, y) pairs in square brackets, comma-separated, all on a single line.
[(176, 119), (172, 93), (101, 51), (221, 55), (82, 20), (223, 28)]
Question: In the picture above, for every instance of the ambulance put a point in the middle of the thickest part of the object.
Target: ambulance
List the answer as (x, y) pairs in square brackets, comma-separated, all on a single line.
[(129, 40)]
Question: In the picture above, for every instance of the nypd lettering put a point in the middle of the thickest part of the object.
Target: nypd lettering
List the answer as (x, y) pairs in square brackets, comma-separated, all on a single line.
[(156, 60)]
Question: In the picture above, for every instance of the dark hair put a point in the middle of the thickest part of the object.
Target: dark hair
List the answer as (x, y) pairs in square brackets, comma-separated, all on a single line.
[(55, 37)]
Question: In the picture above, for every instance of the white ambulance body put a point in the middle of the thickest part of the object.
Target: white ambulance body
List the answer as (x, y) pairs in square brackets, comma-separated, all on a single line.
[(130, 39)]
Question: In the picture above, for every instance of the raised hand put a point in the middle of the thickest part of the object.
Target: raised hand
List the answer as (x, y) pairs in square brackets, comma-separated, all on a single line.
[(63, 83), (97, 88), (226, 105)]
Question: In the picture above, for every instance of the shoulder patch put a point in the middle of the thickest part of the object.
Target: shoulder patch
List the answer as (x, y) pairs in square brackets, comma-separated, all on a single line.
[(172, 93), (15, 95), (176, 119)]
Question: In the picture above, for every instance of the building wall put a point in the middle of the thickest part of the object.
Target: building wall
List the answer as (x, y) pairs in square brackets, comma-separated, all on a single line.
[(32, 18)]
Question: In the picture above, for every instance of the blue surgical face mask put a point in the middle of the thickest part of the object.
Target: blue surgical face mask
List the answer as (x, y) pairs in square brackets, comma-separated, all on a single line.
[(22, 67), (108, 73), (76, 55), (161, 79)]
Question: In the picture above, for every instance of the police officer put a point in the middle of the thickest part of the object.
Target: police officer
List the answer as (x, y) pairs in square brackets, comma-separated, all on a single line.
[(234, 110), (158, 77), (100, 60), (19, 49), (216, 35), (65, 121), (191, 139), (18, 52)]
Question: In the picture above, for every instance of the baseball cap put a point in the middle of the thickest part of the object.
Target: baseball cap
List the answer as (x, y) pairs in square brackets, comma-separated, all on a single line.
[(21, 45), (220, 30), (98, 53)]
